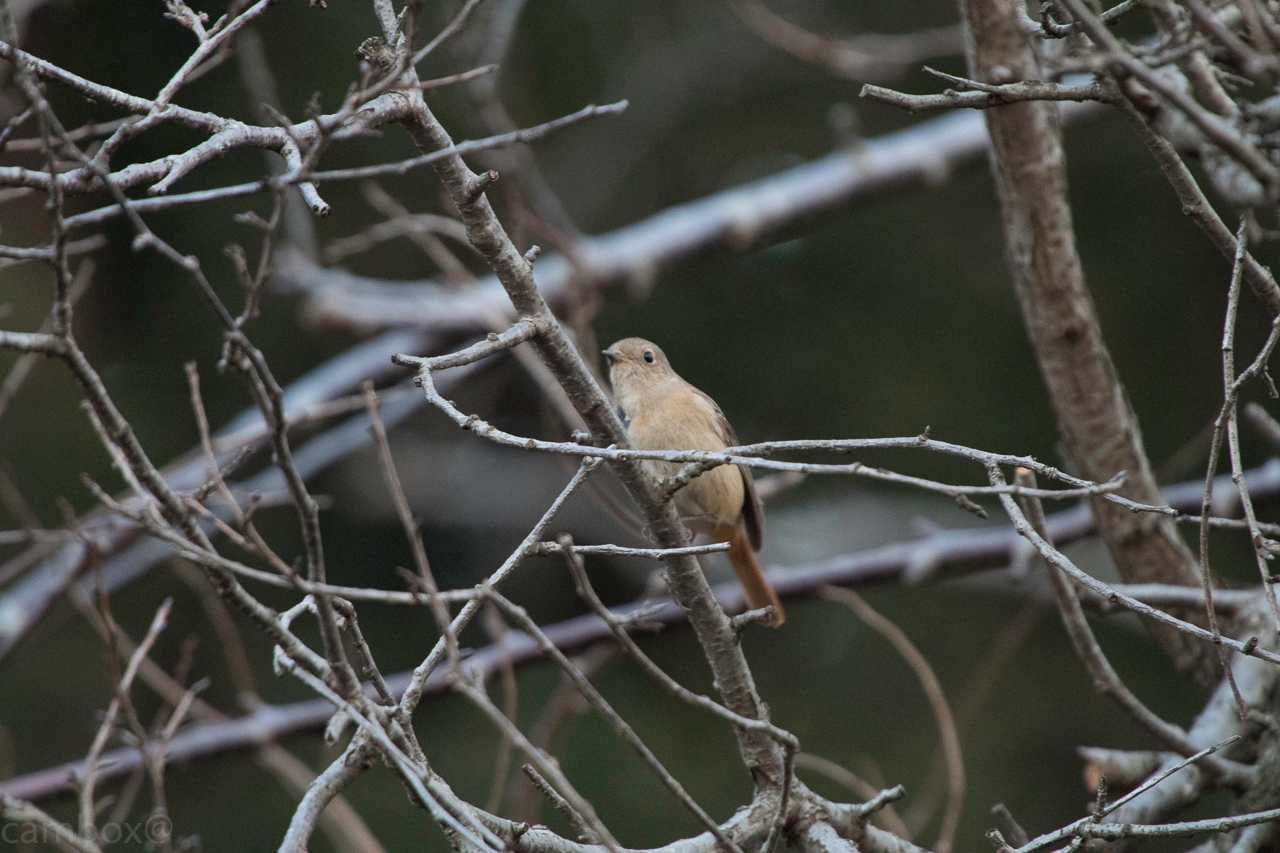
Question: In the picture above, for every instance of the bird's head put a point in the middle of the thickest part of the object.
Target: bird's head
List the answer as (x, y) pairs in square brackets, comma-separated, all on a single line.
[(635, 361)]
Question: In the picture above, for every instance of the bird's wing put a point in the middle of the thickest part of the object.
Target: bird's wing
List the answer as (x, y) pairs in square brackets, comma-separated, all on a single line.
[(752, 509)]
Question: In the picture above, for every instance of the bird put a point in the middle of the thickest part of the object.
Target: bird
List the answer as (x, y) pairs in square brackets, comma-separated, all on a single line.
[(664, 412)]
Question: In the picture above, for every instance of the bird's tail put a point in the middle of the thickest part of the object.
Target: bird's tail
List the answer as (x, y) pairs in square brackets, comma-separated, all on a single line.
[(750, 574)]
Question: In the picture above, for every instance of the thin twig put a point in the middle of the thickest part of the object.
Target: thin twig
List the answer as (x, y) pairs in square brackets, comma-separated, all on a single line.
[(618, 627), (87, 805), (412, 532), (577, 822), (943, 717), (1232, 384), (1061, 561), (606, 710), (1090, 827), (1105, 679)]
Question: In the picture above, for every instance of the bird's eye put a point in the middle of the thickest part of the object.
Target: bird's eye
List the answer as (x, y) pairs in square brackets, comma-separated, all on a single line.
[(648, 356)]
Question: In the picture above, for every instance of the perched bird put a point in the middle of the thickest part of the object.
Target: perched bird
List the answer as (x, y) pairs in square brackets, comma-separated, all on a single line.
[(663, 412)]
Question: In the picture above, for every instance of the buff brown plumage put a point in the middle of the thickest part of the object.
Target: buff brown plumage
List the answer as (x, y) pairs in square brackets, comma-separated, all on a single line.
[(664, 412)]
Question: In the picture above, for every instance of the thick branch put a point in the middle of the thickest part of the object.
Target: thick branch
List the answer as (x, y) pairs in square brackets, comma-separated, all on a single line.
[(686, 580), (1097, 425)]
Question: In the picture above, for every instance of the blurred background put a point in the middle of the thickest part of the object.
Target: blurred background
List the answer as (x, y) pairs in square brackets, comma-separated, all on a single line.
[(893, 315)]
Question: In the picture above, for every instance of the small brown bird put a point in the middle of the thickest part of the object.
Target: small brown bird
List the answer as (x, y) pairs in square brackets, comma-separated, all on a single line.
[(663, 412)]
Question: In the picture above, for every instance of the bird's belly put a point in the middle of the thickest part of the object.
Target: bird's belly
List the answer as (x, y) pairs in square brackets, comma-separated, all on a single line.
[(711, 500)]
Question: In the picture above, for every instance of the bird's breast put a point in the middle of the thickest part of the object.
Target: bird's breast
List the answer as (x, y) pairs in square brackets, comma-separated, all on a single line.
[(682, 420)]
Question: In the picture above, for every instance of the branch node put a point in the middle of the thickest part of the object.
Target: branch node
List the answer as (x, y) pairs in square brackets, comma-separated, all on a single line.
[(968, 505), (743, 620), (477, 184)]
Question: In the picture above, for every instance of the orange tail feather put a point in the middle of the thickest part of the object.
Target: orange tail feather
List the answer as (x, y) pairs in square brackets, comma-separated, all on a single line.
[(750, 574)]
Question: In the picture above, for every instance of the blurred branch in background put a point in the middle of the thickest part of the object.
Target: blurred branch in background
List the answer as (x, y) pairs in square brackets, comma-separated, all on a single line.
[(740, 219), (1179, 84), (859, 57), (938, 556)]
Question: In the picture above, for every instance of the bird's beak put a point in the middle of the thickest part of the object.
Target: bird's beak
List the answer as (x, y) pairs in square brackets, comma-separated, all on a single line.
[(611, 355)]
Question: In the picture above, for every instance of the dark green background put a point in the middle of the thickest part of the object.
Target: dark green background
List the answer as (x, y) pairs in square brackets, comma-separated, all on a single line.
[(892, 316)]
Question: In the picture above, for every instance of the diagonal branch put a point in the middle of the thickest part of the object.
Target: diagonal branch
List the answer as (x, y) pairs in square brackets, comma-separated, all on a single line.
[(1105, 679), (686, 580)]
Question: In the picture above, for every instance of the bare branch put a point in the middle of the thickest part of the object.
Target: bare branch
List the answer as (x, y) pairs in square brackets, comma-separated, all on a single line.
[(857, 57), (1092, 827), (1105, 679), (1097, 425), (19, 811), (1057, 559), (88, 807), (943, 717), (618, 628), (986, 97)]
